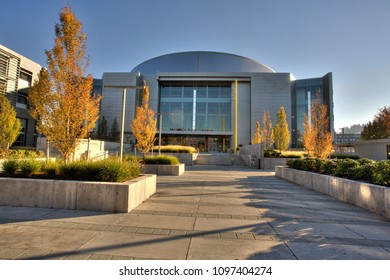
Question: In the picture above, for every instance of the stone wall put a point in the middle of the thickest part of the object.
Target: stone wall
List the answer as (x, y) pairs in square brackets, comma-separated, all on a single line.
[(371, 197), (77, 195)]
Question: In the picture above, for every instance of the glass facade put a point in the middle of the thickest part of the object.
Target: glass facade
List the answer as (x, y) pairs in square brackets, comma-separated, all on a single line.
[(21, 140), (196, 107), (304, 93), (201, 143)]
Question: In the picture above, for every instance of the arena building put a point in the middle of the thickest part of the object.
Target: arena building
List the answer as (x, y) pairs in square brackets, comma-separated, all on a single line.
[(212, 100)]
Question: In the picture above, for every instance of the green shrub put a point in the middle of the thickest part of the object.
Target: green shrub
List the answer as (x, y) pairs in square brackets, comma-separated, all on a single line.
[(364, 161), (295, 163), (117, 171), (73, 170), (362, 172), (10, 166), (344, 156), (381, 173), (28, 167), (309, 164), (51, 168), (272, 153), (344, 167), (329, 166), (175, 149), (107, 170), (161, 160)]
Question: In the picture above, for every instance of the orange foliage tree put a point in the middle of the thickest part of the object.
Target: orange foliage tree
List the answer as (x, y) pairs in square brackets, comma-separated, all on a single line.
[(256, 139), (144, 125), (317, 139), (267, 133), (61, 99)]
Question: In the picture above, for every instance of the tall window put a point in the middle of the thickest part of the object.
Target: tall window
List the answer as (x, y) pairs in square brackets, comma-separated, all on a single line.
[(21, 140)]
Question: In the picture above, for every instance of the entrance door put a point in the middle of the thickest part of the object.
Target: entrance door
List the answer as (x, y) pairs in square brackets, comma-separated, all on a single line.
[(214, 147)]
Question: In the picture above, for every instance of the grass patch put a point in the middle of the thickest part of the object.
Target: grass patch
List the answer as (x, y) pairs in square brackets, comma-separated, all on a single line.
[(171, 160)]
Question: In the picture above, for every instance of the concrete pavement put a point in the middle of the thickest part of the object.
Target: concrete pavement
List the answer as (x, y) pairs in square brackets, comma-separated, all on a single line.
[(210, 212)]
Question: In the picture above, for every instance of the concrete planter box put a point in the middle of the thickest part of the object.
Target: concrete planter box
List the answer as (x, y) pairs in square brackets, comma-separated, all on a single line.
[(371, 197), (164, 169), (77, 195), (187, 159)]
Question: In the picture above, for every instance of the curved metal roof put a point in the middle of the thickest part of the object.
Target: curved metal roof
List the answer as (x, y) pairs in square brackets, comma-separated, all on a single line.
[(200, 61)]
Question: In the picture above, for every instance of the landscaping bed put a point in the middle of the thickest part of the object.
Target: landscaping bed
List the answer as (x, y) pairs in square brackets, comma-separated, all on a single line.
[(107, 185), (185, 154), (108, 170), (163, 165), (364, 170)]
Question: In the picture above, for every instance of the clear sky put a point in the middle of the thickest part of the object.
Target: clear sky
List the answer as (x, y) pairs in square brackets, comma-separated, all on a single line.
[(307, 38)]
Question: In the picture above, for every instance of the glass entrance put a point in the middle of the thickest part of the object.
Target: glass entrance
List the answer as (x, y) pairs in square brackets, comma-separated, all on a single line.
[(215, 144)]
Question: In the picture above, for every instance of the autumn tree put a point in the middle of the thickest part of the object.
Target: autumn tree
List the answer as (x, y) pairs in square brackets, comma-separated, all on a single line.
[(9, 125), (379, 127), (144, 125), (317, 138), (61, 99), (267, 131), (281, 132), (257, 135)]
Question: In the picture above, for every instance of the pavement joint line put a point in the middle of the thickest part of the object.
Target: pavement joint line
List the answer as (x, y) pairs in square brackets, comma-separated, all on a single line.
[(197, 203), (73, 225), (175, 232), (203, 215)]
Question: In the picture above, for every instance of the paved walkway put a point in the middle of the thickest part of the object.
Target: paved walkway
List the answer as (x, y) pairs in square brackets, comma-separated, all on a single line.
[(210, 212)]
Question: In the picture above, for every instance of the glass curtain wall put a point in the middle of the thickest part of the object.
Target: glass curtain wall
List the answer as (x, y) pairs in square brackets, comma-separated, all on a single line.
[(196, 107), (305, 94)]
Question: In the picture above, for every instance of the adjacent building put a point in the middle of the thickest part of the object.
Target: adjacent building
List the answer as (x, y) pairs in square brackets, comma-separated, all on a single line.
[(212, 100), (17, 74)]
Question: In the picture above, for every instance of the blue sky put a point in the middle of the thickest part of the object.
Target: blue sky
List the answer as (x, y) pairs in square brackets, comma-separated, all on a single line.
[(307, 38)]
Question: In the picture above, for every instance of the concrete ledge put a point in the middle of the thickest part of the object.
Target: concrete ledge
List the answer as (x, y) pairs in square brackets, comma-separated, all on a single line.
[(271, 163), (77, 195), (371, 197), (187, 159), (164, 169)]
